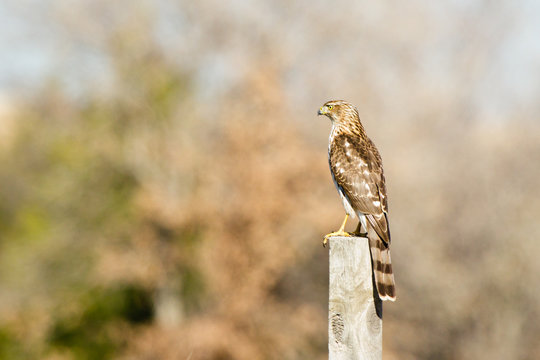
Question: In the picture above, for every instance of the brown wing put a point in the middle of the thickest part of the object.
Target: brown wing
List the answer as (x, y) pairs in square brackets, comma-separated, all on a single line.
[(357, 168)]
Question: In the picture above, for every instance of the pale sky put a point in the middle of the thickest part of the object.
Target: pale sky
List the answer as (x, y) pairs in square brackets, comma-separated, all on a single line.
[(34, 48)]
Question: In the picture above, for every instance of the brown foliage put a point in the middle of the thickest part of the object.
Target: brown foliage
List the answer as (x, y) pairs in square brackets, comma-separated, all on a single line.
[(179, 213)]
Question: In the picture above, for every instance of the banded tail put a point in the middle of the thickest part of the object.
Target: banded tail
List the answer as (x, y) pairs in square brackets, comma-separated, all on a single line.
[(378, 233), (382, 267)]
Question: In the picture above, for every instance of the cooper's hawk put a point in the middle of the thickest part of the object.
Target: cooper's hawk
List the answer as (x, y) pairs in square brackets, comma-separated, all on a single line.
[(356, 168)]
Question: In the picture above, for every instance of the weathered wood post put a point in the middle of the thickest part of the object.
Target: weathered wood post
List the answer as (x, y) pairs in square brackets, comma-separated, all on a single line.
[(354, 309)]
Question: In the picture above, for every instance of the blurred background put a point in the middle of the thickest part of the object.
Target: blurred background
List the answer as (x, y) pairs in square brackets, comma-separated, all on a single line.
[(164, 182)]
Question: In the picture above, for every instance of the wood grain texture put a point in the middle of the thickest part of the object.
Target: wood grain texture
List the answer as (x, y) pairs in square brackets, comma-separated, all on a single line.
[(355, 310)]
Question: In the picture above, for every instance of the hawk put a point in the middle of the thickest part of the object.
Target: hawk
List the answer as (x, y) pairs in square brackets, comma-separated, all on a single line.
[(356, 167)]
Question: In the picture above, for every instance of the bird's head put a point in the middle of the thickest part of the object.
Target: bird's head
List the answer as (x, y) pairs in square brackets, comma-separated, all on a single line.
[(337, 110)]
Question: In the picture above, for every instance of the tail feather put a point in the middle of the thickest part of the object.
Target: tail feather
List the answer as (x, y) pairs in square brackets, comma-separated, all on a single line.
[(382, 266)]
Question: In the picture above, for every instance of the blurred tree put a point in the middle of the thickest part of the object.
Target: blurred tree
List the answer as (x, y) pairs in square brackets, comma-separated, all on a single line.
[(169, 204)]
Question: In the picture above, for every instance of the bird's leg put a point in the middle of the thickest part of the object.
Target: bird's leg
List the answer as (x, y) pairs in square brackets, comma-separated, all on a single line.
[(340, 232), (358, 231)]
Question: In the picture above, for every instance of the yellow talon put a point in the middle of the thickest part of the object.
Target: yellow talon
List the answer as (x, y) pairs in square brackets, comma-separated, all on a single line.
[(336, 233), (340, 232)]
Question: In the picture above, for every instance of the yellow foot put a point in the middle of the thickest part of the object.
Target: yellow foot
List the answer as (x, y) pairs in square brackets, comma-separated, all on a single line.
[(335, 233)]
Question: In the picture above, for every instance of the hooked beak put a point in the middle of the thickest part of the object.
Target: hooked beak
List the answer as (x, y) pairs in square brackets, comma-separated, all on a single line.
[(322, 110)]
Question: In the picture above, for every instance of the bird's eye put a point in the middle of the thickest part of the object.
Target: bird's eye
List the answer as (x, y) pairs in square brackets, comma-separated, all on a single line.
[(330, 107)]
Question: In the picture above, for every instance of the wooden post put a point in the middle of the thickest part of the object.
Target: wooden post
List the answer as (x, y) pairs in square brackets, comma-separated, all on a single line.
[(354, 309)]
